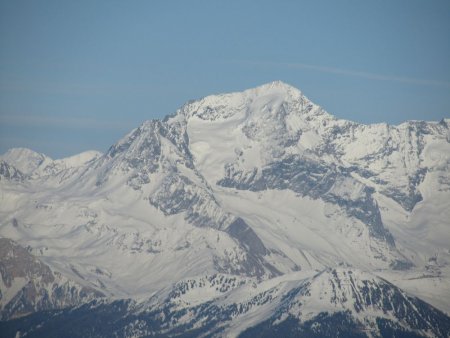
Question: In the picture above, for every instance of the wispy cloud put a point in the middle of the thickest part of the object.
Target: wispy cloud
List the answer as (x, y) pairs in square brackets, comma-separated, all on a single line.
[(62, 122), (348, 72), (80, 89)]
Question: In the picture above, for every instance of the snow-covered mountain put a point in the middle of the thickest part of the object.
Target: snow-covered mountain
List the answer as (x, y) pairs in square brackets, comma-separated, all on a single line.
[(252, 209)]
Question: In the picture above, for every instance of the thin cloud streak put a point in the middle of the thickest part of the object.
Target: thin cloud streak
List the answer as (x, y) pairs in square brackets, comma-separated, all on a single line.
[(347, 72), (89, 89), (62, 122)]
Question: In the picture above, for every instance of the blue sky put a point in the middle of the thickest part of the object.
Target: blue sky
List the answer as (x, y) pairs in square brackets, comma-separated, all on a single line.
[(77, 75)]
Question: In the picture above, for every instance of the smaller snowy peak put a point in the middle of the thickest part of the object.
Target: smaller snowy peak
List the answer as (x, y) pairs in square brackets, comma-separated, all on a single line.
[(351, 303), (32, 165), (25, 160)]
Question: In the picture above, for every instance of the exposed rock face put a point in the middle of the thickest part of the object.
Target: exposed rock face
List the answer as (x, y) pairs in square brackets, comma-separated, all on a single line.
[(28, 285), (312, 178), (8, 172)]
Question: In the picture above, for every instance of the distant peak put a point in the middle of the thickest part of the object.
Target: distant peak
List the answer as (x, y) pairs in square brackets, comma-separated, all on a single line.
[(24, 159), (22, 152)]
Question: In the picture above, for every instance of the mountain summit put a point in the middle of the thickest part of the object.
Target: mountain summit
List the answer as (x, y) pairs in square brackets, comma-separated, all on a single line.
[(254, 211)]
